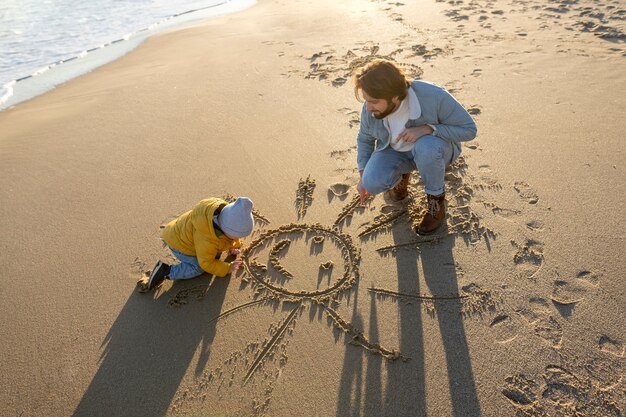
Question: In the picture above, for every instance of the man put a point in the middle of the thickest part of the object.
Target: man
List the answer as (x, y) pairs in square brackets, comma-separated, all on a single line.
[(405, 126)]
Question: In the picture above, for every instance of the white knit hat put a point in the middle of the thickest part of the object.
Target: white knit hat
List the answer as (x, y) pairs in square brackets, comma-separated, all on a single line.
[(236, 218)]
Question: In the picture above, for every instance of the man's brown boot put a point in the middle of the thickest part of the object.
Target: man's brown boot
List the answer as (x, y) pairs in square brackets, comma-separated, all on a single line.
[(434, 216), (400, 191)]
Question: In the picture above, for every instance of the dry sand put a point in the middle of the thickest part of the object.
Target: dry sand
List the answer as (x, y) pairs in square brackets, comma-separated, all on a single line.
[(516, 308)]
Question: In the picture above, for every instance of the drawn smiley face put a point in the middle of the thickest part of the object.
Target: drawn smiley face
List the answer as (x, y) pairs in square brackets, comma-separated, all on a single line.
[(283, 277)]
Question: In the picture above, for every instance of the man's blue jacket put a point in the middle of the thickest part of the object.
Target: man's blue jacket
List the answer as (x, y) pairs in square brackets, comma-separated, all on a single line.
[(438, 109)]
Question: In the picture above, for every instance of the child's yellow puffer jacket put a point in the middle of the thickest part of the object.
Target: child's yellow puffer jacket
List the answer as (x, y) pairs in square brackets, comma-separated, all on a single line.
[(192, 234)]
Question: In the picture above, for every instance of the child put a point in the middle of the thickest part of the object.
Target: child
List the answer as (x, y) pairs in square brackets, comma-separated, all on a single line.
[(198, 237)]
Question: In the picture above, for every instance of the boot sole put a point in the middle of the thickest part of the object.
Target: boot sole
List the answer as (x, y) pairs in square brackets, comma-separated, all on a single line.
[(431, 232)]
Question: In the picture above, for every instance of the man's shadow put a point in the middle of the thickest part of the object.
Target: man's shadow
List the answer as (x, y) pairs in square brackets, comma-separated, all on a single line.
[(148, 351), (356, 392), (439, 275), (405, 390)]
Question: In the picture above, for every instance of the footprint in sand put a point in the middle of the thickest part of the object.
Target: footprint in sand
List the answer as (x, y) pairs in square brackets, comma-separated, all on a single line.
[(505, 328), (612, 346), (537, 313), (343, 154), (537, 308), (520, 390), (590, 277), (535, 225), (339, 190), (567, 293), (183, 296), (562, 392), (605, 371), (338, 82), (526, 192), (528, 258), (138, 267), (549, 329), (422, 51), (487, 177), (562, 386), (474, 110), (353, 116), (504, 212), (139, 274), (456, 16)]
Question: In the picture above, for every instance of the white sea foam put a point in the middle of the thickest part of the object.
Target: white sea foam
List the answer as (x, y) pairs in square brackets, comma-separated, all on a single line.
[(6, 92)]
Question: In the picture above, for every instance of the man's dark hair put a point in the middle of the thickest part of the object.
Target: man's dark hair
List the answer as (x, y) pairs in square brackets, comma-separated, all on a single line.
[(381, 79)]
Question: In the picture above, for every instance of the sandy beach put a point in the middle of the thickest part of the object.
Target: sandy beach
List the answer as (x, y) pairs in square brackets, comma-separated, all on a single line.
[(515, 308)]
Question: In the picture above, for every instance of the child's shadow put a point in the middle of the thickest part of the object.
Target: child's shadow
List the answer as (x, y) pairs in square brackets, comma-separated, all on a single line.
[(149, 349)]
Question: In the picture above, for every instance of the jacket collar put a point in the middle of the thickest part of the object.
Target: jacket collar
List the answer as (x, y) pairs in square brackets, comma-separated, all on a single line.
[(415, 109)]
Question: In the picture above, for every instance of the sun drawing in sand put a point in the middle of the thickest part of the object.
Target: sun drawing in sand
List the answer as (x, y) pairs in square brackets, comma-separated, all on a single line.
[(305, 265), (316, 283), (334, 270)]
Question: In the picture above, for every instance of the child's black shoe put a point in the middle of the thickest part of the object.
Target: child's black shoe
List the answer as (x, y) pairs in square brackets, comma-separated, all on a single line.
[(159, 273)]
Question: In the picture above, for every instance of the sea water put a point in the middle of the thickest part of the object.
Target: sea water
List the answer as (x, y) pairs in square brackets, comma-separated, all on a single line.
[(44, 43)]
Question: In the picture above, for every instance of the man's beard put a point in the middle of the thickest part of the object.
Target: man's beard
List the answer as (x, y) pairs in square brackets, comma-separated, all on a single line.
[(390, 108)]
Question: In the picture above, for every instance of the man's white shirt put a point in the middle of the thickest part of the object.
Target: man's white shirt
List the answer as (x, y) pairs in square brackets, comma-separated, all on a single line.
[(396, 122)]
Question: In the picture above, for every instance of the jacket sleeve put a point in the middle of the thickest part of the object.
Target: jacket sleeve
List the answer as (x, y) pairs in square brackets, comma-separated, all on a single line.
[(365, 142), (206, 251), (455, 123)]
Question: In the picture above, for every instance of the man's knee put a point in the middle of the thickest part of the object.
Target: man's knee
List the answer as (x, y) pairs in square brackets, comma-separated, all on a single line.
[(374, 184), (427, 146), (429, 149)]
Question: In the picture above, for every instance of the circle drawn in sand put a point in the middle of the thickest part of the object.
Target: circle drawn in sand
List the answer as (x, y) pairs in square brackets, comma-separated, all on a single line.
[(260, 274)]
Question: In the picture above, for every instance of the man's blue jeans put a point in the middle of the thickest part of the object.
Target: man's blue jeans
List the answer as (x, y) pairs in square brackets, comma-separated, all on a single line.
[(187, 268), (430, 155)]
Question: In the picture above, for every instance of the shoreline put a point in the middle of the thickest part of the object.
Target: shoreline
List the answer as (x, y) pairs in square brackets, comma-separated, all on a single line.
[(51, 75)]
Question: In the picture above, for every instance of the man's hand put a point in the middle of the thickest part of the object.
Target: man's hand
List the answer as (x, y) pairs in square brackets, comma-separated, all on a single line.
[(362, 191), (234, 265), (234, 252), (412, 134)]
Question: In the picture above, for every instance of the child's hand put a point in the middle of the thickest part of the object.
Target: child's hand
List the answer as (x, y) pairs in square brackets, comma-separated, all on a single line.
[(234, 251), (234, 265)]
